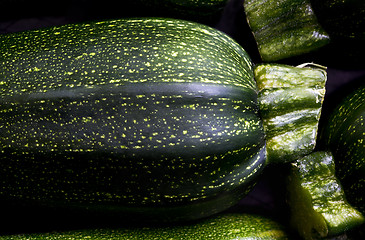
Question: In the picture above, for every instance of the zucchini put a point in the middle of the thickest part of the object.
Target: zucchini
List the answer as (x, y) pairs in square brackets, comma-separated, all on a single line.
[(154, 118), (317, 200), (284, 28), (227, 226), (144, 116), (344, 135)]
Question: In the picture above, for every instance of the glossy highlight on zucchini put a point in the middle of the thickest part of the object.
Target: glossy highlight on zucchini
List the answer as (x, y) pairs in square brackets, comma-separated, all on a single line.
[(153, 118)]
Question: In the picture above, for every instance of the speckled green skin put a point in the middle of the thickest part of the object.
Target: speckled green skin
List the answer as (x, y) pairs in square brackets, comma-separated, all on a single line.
[(224, 227), (154, 118), (290, 100), (345, 137), (284, 28), (317, 199)]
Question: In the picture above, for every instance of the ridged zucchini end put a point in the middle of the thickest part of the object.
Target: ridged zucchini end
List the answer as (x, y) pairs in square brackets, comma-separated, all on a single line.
[(290, 100)]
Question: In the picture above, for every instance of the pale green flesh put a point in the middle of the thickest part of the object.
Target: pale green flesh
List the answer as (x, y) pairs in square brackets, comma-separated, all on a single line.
[(317, 200), (290, 100), (223, 227)]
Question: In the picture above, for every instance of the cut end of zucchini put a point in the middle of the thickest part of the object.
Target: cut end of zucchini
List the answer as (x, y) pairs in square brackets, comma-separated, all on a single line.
[(290, 100), (304, 219), (316, 199)]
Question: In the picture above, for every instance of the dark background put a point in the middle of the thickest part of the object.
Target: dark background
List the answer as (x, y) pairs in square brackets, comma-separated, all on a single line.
[(267, 197)]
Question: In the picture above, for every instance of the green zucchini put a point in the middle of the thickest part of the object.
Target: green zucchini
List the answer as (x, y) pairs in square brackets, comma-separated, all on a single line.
[(154, 118), (344, 135), (157, 118), (225, 226), (284, 28), (317, 200)]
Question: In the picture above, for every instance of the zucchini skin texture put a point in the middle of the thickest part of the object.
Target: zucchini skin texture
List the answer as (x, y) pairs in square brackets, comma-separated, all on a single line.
[(225, 226), (284, 28), (344, 135), (153, 118)]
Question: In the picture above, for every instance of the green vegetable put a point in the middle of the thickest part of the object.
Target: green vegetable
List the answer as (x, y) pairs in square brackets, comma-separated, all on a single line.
[(284, 28), (154, 118), (345, 137), (227, 226), (317, 200), (144, 116), (290, 100)]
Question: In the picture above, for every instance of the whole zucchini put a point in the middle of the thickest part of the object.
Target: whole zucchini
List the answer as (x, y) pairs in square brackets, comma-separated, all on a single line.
[(344, 135), (154, 118)]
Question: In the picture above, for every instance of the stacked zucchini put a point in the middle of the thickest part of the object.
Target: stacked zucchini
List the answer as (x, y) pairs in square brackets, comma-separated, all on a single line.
[(161, 120)]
